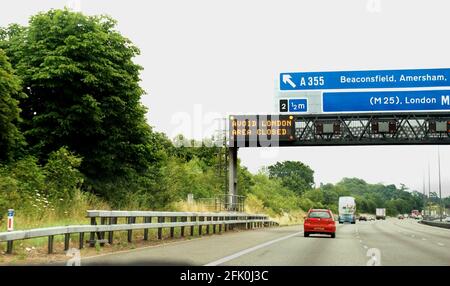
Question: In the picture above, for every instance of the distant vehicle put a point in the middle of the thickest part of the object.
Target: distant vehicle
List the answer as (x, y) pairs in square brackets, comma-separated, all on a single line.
[(319, 221), (347, 209), (400, 217), (371, 218), (447, 219), (415, 213), (380, 213), (418, 217), (362, 218), (405, 215)]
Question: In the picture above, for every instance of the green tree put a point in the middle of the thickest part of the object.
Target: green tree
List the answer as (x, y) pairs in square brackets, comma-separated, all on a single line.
[(294, 175), (11, 140), (83, 92), (274, 195)]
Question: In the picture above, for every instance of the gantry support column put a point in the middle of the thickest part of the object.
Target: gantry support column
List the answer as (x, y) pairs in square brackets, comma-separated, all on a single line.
[(232, 177)]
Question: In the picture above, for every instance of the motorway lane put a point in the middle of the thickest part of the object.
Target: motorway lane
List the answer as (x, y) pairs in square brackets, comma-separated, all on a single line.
[(406, 242), (315, 250), (196, 251), (399, 242)]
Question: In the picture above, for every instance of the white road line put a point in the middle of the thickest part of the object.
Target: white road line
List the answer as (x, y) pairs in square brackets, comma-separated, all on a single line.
[(365, 247), (423, 238), (360, 241), (248, 250), (440, 244)]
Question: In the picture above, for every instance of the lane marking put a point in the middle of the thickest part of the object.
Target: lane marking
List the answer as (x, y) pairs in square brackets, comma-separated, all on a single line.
[(248, 250), (440, 244), (365, 246), (423, 238)]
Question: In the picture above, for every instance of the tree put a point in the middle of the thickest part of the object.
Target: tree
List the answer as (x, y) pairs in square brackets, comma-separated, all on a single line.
[(294, 175), (83, 92), (11, 140)]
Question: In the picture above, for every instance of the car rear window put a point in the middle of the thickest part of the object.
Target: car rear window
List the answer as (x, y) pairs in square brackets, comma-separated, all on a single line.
[(319, 215)]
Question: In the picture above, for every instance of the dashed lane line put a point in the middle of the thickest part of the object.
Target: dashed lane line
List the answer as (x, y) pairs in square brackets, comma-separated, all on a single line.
[(249, 250)]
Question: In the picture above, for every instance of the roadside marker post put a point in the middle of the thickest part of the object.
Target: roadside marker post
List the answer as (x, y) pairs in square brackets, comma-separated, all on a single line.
[(10, 220), (10, 227)]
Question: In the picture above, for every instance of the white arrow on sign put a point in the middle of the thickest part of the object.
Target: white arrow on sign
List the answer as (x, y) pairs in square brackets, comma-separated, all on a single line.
[(287, 79)]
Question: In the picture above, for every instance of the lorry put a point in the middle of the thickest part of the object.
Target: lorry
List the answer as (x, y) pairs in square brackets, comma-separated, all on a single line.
[(380, 213), (347, 210)]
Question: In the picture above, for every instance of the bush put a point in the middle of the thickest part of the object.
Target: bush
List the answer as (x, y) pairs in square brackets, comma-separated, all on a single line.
[(274, 195), (62, 175), (9, 196), (35, 190)]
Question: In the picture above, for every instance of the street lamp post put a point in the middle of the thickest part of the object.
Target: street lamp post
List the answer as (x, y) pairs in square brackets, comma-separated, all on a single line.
[(429, 188), (440, 191), (424, 197)]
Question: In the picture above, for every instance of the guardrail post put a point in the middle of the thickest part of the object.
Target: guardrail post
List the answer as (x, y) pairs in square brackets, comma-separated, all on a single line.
[(147, 219), (66, 241), (214, 225), (81, 240), (183, 219), (131, 220), (160, 220), (225, 226), (193, 219), (9, 246), (112, 220), (208, 225), (102, 234), (92, 234), (172, 229), (201, 219), (50, 244), (220, 225)]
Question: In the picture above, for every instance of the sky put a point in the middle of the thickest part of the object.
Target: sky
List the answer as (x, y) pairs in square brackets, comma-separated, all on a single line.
[(204, 60)]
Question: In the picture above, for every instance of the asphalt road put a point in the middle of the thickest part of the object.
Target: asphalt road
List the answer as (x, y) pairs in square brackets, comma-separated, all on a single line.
[(390, 242)]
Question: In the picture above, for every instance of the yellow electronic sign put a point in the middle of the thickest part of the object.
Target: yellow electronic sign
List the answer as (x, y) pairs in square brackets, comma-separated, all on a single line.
[(258, 128)]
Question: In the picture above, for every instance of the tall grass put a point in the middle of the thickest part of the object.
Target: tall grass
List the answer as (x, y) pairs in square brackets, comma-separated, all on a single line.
[(73, 212)]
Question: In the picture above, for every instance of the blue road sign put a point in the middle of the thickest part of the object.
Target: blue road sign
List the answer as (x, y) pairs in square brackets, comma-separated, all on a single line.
[(423, 100), (365, 79), (298, 105)]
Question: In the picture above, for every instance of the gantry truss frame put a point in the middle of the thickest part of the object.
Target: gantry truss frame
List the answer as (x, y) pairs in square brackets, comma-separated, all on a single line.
[(356, 129)]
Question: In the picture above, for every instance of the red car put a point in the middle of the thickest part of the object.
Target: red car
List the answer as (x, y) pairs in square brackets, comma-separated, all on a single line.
[(319, 221)]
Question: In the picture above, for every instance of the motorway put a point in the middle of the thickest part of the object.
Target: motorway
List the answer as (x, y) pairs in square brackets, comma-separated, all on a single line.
[(390, 242)]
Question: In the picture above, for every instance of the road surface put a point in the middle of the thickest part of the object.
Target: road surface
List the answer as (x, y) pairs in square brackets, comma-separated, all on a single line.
[(390, 242)]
